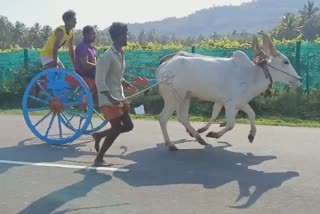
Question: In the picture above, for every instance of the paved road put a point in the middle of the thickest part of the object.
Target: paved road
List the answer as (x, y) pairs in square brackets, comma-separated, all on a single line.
[(278, 173)]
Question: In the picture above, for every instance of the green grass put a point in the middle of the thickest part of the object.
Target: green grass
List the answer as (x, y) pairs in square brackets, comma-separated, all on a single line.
[(11, 111), (273, 121)]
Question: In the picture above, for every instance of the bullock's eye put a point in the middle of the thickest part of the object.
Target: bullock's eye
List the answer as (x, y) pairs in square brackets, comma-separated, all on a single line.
[(286, 62)]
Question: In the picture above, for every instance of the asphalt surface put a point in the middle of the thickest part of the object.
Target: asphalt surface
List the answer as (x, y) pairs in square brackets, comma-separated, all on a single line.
[(278, 173)]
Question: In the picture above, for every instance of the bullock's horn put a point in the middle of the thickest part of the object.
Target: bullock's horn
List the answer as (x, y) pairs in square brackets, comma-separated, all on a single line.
[(256, 47), (255, 44), (268, 45)]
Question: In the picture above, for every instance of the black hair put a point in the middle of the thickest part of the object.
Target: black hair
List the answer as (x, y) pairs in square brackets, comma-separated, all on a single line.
[(68, 15), (87, 29), (116, 29)]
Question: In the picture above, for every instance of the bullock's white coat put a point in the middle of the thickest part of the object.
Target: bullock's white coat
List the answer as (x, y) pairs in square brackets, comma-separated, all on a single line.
[(212, 79), (230, 82)]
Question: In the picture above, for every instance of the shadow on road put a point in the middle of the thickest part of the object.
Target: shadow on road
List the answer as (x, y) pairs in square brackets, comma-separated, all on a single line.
[(56, 199), (212, 167), (34, 150)]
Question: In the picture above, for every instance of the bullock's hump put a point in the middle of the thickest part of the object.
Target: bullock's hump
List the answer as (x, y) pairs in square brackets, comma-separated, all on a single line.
[(239, 57)]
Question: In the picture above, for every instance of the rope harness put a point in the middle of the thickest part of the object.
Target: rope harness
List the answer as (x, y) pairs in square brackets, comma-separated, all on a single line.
[(264, 65)]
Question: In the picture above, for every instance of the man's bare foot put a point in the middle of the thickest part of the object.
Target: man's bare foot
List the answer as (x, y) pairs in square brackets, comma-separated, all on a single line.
[(97, 139), (98, 162)]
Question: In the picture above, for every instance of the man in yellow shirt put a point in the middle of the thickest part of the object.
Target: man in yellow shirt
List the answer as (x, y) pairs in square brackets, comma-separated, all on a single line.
[(62, 35)]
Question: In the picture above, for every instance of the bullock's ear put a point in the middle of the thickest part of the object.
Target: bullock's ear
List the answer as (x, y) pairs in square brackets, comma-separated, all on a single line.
[(268, 46), (256, 47)]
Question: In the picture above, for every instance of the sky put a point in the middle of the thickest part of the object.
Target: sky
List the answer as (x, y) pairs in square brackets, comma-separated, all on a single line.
[(103, 12)]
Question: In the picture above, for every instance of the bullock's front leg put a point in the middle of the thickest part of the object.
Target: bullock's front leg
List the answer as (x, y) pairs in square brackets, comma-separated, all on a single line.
[(252, 116), (230, 119), (215, 112)]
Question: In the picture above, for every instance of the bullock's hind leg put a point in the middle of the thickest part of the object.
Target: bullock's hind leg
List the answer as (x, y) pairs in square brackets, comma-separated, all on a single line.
[(215, 112), (187, 106), (183, 116), (252, 116), (231, 112), (170, 105)]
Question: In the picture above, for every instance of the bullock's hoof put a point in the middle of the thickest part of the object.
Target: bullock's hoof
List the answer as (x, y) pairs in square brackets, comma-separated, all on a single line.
[(250, 137), (213, 135), (202, 141), (223, 124), (191, 135), (202, 130), (173, 148)]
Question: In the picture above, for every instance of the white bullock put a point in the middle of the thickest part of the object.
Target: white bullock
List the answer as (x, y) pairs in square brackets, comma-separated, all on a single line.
[(229, 82)]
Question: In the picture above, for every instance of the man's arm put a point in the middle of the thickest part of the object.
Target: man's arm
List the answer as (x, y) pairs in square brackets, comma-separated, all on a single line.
[(131, 89), (112, 99), (59, 36), (86, 65), (102, 69), (126, 84), (71, 51)]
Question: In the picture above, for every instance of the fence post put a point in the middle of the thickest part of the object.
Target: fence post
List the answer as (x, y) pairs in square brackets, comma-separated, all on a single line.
[(192, 49), (307, 76), (26, 58), (298, 56)]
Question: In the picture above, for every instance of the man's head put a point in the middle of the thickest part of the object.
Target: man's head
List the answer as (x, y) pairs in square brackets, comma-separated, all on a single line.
[(89, 34), (118, 32), (69, 18)]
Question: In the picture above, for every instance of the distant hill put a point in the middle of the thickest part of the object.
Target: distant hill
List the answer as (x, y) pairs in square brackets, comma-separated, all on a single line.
[(249, 17)]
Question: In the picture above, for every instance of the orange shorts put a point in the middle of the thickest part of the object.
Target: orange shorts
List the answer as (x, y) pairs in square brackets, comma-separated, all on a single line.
[(113, 112), (90, 82)]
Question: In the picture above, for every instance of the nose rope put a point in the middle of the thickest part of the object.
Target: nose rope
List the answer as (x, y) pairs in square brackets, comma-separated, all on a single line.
[(284, 72)]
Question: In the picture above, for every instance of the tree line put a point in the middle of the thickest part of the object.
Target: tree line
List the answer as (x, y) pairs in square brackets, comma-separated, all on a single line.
[(304, 25)]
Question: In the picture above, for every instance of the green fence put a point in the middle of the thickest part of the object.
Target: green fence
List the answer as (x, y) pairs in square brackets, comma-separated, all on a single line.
[(304, 56)]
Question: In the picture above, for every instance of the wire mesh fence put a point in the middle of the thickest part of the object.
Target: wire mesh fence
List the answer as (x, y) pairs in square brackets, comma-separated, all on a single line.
[(305, 57)]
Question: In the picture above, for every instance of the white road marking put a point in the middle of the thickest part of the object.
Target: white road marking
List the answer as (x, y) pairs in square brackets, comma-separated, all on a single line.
[(101, 168)]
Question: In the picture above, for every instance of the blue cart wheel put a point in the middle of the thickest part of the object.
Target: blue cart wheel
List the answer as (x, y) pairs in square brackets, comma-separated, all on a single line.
[(97, 122), (57, 106)]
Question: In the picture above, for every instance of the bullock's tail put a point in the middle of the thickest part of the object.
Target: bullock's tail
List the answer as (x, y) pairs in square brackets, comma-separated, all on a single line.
[(165, 79), (162, 72)]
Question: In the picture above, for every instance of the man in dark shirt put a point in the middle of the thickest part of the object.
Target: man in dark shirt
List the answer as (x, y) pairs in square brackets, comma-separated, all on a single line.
[(85, 59)]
